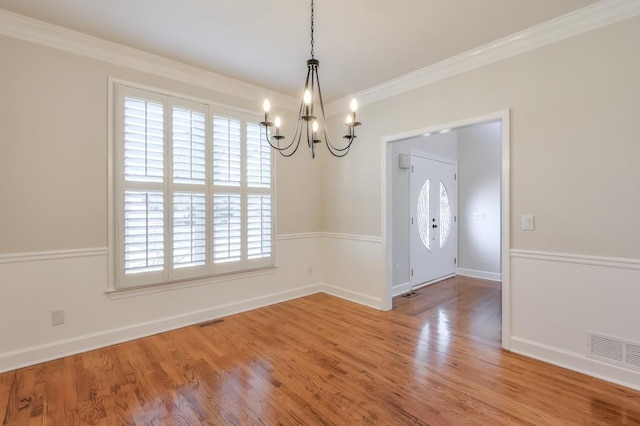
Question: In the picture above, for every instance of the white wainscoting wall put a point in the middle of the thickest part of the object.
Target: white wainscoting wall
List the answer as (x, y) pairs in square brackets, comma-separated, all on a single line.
[(557, 298), (354, 268), (76, 281), (34, 284)]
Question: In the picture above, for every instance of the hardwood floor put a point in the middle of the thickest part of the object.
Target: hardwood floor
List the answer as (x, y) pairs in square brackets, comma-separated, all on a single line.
[(434, 360)]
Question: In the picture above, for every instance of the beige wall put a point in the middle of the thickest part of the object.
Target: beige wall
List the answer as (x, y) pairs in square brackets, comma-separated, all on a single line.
[(53, 151), (479, 192), (575, 147), (574, 153), (574, 108), (53, 199)]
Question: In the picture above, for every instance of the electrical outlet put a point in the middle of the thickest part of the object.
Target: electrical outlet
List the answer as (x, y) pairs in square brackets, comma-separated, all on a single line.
[(310, 270), (57, 317)]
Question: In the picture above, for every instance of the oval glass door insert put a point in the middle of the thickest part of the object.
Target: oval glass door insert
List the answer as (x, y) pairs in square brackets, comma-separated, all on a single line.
[(423, 215), (445, 215)]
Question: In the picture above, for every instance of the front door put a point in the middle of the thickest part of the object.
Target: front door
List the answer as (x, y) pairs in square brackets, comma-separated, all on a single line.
[(433, 221)]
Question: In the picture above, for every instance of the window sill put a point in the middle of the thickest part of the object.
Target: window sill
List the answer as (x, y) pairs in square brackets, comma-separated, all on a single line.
[(126, 292)]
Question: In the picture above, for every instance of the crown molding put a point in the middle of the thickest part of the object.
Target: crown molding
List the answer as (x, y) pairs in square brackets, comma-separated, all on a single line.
[(597, 15), (589, 18), (49, 35)]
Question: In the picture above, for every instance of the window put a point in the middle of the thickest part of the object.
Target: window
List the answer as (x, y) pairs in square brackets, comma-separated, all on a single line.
[(424, 227), (445, 214), (193, 193)]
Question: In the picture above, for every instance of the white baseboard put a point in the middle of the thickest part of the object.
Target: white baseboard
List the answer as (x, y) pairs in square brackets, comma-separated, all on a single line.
[(400, 289), (41, 353), (492, 276), (351, 296), (576, 362)]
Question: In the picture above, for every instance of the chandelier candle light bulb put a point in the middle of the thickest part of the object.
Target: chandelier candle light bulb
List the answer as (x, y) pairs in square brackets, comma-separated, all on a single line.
[(311, 101), (278, 123), (266, 106), (307, 103)]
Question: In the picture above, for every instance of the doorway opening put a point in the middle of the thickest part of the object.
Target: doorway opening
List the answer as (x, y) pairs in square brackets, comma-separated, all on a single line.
[(482, 244)]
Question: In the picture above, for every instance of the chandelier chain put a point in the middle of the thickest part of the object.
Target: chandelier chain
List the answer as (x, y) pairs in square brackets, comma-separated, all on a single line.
[(312, 40)]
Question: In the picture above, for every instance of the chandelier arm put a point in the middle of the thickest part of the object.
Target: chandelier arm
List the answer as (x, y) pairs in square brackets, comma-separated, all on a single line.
[(313, 70), (309, 135), (307, 110), (274, 146), (282, 150), (340, 152), (351, 139), (297, 136), (284, 154), (333, 149), (324, 118), (296, 139)]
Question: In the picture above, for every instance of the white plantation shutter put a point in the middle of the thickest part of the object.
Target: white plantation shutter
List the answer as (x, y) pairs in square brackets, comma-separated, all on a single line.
[(258, 158), (258, 226), (227, 231), (189, 230), (192, 190), (143, 141), (143, 232), (188, 146), (227, 154)]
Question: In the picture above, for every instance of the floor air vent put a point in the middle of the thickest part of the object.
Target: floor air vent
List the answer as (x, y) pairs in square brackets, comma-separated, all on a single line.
[(614, 350), (212, 322)]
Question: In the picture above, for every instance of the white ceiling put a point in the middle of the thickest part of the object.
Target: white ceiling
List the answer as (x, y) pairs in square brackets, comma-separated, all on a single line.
[(360, 43)]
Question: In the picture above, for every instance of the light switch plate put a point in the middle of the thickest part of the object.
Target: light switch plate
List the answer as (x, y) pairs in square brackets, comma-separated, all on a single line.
[(527, 222)]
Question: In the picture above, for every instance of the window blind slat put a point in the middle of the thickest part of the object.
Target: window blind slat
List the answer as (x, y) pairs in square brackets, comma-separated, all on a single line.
[(226, 151), (227, 232), (258, 226), (143, 232), (143, 141), (258, 158), (188, 147), (189, 230)]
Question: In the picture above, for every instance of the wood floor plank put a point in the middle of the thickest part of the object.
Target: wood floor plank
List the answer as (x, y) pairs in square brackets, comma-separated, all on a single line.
[(436, 359), (8, 402)]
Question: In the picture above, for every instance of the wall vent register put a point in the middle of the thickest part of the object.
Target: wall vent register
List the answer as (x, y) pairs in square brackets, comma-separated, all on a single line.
[(613, 350)]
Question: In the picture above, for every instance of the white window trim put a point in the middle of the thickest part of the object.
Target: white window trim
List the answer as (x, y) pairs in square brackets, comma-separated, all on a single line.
[(210, 272)]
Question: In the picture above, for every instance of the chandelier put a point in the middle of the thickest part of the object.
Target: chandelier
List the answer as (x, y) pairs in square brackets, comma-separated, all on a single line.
[(307, 118)]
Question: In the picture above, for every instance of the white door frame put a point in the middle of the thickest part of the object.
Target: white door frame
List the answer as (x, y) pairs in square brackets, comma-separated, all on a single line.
[(505, 245)]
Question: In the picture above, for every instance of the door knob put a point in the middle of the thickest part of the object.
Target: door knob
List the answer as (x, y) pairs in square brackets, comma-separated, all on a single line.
[(434, 226)]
